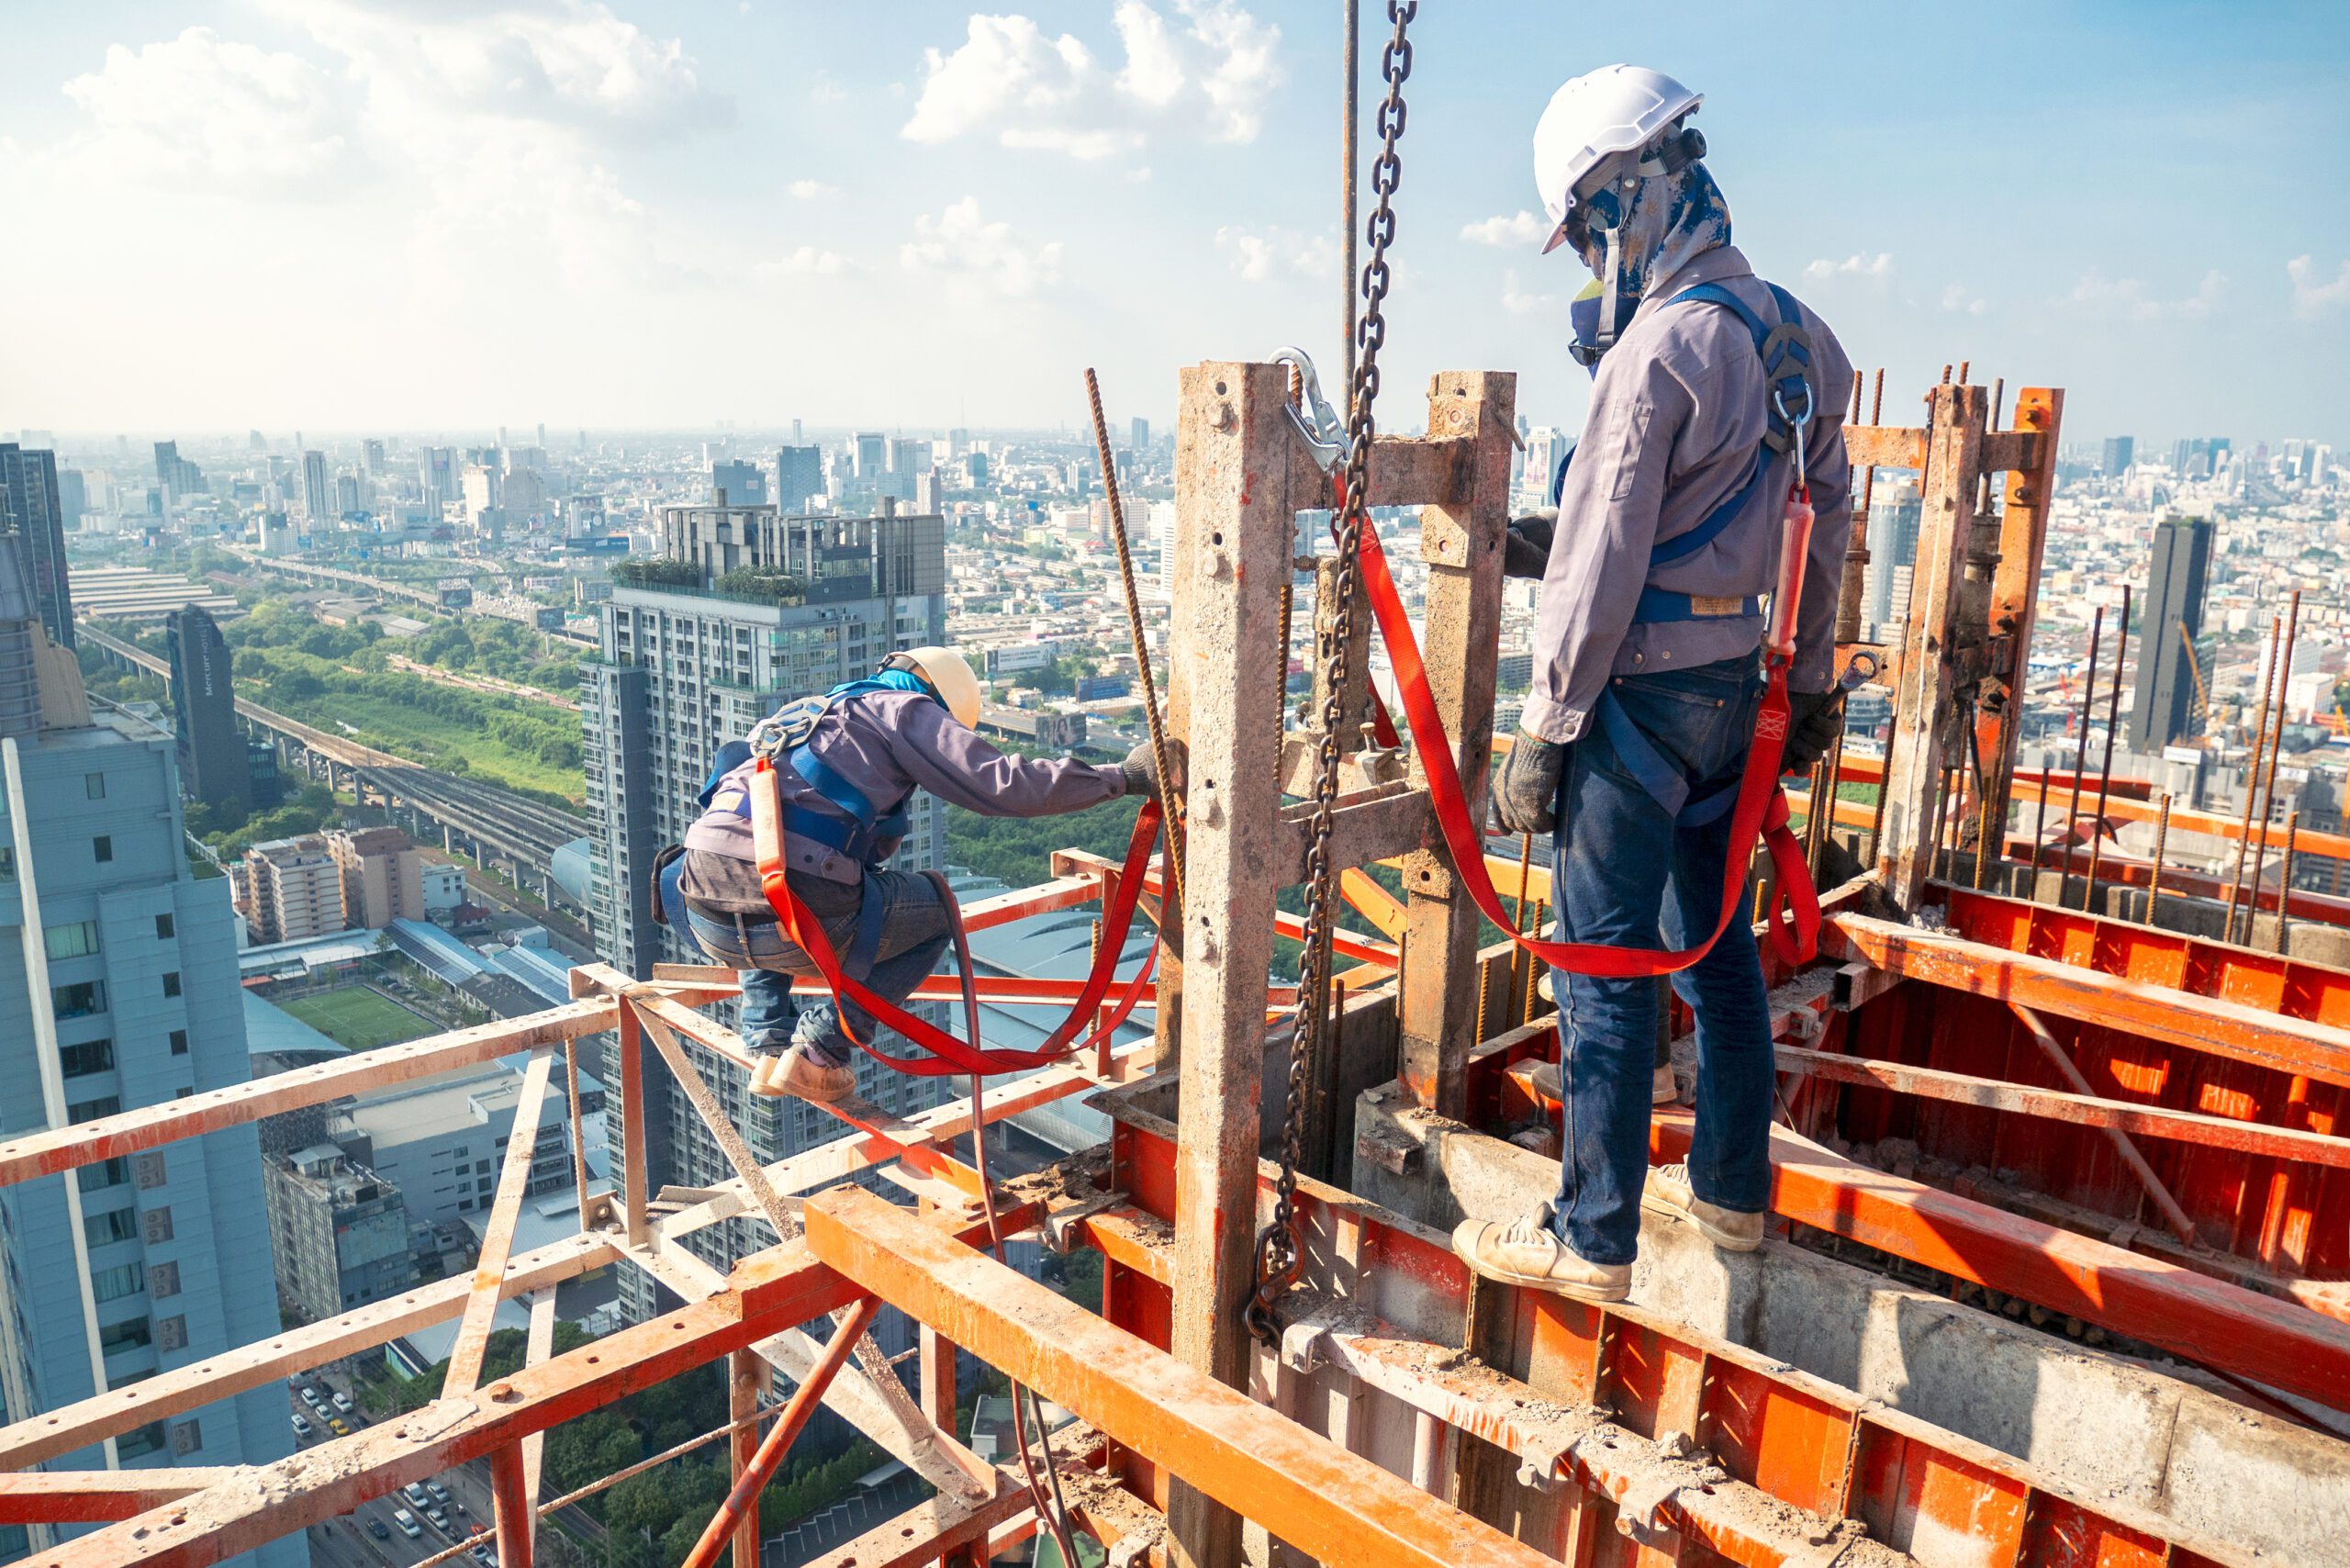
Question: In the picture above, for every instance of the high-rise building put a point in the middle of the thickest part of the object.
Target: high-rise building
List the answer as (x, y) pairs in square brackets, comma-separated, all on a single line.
[(293, 890), (318, 495), (72, 498), (29, 507), (2176, 577), (798, 478), (738, 483), (872, 456), (214, 756), (372, 457), (174, 475), (437, 476), (1141, 437), (1894, 520), (341, 1232), (908, 458), (683, 669), (2119, 452), (120, 991), (382, 875)]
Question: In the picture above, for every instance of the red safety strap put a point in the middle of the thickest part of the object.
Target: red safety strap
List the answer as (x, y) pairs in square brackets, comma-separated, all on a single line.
[(948, 1053), (1761, 811)]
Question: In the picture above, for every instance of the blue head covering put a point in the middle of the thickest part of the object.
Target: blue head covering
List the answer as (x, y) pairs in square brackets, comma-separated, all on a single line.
[(1634, 239)]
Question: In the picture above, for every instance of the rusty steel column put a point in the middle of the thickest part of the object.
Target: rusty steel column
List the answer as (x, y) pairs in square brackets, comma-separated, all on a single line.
[(1233, 457), (746, 1379), (1462, 544), (1929, 672)]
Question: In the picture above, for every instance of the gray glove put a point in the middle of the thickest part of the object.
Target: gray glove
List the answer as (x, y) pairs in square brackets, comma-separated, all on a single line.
[(1526, 795), (1141, 768), (1526, 550), (1814, 720)]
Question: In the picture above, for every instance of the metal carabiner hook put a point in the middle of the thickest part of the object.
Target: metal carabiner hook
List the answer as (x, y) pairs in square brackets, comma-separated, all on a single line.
[(1316, 423)]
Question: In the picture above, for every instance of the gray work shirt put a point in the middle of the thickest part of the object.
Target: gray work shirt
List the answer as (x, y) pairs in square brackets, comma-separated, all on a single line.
[(1676, 414), (885, 744)]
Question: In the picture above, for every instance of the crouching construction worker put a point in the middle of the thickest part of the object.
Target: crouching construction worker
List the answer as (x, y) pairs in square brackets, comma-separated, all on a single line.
[(847, 764), (1646, 672)]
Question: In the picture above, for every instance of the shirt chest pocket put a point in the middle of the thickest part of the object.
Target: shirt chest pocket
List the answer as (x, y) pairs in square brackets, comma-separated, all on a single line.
[(1627, 437)]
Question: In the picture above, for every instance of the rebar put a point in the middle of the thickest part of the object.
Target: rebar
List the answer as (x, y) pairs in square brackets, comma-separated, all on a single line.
[(2105, 769), (2276, 747), (2080, 756), (2252, 783), (2284, 874), (2161, 838)]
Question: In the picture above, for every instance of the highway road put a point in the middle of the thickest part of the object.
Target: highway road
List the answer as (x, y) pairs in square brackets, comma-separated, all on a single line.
[(513, 824)]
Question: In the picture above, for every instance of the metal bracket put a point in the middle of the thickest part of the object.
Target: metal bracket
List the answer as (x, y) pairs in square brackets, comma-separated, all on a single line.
[(1060, 1226), (1538, 1465), (1318, 423), (1303, 1338)]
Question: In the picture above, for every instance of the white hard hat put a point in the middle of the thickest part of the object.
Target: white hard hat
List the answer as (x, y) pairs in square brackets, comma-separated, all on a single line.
[(1618, 108), (949, 675)]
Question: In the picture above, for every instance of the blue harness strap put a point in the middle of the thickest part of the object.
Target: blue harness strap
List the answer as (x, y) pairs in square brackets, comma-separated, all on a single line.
[(1786, 362), (1658, 778)]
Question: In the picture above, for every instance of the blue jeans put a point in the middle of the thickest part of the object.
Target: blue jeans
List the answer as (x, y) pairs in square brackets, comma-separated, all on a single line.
[(1626, 877), (914, 933)]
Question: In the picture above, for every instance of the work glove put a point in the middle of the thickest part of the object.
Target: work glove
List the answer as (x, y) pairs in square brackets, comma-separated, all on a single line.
[(1141, 770), (1525, 795), (1526, 550), (1814, 720)]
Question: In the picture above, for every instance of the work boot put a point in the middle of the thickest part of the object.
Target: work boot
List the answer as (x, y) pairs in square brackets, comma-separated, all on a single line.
[(1668, 1192), (1663, 1088), (806, 1074), (1526, 1252)]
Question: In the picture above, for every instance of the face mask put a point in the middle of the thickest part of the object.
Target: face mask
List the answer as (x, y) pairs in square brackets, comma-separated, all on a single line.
[(1634, 238)]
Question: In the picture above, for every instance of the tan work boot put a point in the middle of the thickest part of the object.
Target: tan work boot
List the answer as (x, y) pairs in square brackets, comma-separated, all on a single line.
[(801, 1072), (1663, 1088), (1668, 1192), (1526, 1251)]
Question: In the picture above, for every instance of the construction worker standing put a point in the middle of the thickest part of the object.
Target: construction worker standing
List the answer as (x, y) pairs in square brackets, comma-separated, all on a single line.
[(847, 763), (1646, 674)]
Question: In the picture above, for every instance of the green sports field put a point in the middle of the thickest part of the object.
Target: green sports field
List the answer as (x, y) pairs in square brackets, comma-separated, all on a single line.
[(358, 1018)]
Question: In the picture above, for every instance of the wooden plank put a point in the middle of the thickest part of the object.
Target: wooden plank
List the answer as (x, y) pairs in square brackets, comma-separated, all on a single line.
[(1461, 545), (498, 1236), (1232, 483)]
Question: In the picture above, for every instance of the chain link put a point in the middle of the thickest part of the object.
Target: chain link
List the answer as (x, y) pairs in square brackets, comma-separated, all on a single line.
[(1281, 1254)]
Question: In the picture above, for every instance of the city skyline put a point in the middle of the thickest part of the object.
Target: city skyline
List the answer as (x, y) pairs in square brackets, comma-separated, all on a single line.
[(1005, 198)]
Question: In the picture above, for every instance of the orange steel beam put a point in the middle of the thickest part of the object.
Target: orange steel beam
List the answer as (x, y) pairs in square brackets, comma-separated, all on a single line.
[(498, 1236), (2129, 872), (2220, 1027), (1334, 1506), (2057, 1105), (150, 1126), (767, 1293), (2202, 1320), (80, 1497)]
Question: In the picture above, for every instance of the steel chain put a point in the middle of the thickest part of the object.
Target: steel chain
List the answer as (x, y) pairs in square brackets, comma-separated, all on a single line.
[(1281, 1254)]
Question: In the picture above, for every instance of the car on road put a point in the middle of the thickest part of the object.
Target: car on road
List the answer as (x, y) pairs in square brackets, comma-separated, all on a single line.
[(341, 1401), (336, 1424), (301, 1425), (310, 1397), (406, 1521), (379, 1529), (439, 1520), (483, 1554), (440, 1492)]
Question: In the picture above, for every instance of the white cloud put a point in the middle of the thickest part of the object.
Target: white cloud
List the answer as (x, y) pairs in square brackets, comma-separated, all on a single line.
[(1518, 302), (567, 61), (962, 247), (823, 89), (1871, 269), (806, 261), (1259, 253), (1525, 228), (2126, 298), (1959, 298), (200, 112), (2315, 299), (813, 190), (1207, 72)]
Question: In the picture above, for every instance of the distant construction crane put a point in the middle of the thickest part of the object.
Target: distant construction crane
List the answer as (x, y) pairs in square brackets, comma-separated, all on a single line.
[(2202, 707)]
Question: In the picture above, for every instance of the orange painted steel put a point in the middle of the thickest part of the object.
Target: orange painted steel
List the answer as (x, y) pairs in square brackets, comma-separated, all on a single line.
[(1802, 1441), (743, 1500), (1334, 1506)]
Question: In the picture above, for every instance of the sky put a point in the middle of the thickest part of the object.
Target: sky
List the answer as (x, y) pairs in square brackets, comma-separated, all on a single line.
[(393, 215)]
